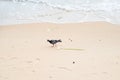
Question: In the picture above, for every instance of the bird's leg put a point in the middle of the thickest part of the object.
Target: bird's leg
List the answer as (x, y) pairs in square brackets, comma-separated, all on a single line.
[(53, 45)]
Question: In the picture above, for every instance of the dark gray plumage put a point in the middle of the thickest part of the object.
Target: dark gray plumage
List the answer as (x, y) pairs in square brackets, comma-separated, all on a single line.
[(53, 42)]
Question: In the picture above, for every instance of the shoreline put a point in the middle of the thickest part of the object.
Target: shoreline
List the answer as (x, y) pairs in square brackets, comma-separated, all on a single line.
[(92, 22)]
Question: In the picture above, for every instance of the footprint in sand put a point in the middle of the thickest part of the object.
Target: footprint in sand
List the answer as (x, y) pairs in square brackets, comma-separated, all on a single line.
[(104, 72), (13, 46), (13, 58), (33, 70), (30, 62), (117, 62), (2, 58), (38, 59), (50, 77)]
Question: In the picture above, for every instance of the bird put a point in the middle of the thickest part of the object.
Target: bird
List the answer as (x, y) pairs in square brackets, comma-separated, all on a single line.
[(53, 42)]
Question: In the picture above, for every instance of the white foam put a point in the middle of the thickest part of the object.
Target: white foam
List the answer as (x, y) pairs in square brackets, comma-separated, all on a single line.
[(59, 11)]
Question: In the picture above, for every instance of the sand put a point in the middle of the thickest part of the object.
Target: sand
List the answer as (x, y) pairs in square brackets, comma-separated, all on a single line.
[(89, 51)]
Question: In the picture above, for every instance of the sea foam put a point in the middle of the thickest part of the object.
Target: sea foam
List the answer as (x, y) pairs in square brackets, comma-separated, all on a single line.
[(59, 11)]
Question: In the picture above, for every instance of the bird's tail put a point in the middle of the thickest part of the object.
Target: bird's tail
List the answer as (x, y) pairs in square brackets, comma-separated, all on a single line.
[(59, 40), (48, 40)]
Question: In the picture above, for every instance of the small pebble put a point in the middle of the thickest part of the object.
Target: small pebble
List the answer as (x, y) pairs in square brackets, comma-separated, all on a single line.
[(73, 62)]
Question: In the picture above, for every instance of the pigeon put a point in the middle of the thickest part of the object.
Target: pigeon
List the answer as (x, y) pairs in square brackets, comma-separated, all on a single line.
[(53, 42)]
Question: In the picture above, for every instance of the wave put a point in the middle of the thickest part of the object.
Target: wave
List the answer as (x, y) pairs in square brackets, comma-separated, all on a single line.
[(78, 5), (56, 11)]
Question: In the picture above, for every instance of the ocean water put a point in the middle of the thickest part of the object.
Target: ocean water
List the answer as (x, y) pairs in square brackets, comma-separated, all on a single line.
[(59, 11)]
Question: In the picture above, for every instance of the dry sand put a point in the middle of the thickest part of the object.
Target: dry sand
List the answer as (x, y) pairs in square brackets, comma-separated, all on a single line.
[(89, 51)]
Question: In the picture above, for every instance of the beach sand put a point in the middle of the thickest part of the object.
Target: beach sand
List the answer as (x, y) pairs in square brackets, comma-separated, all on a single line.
[(89, 51)]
